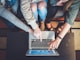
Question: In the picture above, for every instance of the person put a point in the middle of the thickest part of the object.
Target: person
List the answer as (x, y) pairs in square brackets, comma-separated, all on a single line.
[(29, 17), (39, 7), (73, 8), (58, 11), (5, 13)]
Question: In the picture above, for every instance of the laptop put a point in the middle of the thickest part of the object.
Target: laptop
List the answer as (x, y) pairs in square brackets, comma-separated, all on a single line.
[(40, 48)]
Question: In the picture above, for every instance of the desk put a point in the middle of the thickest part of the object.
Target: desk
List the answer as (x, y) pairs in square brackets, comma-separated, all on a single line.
[(17, 45)]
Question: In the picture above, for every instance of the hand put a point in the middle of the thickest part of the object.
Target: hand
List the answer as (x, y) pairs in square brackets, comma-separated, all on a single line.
[(59, 3), (37, 32), (30, 31), (54, 44), (64, 1)]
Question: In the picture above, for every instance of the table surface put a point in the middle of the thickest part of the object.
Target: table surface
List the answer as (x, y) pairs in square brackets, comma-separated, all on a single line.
[(18, 44)]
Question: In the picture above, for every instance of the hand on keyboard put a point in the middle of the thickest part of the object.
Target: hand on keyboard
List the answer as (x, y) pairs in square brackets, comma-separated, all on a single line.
[(54, 44), (38, 34)]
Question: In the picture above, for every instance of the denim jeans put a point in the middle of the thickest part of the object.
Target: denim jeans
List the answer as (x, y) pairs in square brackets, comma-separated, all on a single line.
[(72, 13), (42, 13), (13, 19), (14, 9), (52, 10), (53, 2)]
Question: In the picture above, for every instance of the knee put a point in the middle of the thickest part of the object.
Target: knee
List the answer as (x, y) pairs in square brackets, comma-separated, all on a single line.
[(42, 5), (33, 7)]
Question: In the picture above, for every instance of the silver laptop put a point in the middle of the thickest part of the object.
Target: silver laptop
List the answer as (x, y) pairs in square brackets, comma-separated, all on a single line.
[(38, 48)]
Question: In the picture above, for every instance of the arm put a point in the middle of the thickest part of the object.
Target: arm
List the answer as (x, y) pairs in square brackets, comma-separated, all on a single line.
[(61, 2), (55, 44), (69, 20), (28, 15)]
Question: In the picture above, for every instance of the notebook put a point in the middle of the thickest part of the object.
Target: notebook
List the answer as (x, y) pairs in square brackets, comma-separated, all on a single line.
[(40, 48)]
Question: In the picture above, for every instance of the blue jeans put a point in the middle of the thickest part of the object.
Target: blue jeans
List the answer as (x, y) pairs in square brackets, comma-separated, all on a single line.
[(42, 13), (15, 7), (52, 10), (72, 13), (53, 2)]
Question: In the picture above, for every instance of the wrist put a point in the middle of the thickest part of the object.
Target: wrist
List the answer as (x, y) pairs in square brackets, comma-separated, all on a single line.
[(59, 37), (30, 31), (33, 24)]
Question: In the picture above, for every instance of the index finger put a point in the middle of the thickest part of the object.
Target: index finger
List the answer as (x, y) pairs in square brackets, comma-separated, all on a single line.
[(40, 37), (50, 47)]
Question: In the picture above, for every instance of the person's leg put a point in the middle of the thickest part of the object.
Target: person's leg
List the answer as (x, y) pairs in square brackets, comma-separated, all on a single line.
[(13, 19), (46, 1), (15, 7), (34, 10), (42, 10), (52, 10)]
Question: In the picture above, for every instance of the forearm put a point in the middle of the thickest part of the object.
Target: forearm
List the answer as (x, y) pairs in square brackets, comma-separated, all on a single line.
[(27, 13), (65, 29), (69, 20), (13, 19)]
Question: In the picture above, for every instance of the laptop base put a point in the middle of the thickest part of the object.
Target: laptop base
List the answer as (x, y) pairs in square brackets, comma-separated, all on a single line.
[(42, 53)]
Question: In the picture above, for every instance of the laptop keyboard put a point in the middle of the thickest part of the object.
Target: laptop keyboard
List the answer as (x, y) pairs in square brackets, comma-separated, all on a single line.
[(38, 44)]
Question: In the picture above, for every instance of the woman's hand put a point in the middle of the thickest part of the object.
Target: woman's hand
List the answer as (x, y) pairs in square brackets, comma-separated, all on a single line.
[(54, 44), (61, 2)]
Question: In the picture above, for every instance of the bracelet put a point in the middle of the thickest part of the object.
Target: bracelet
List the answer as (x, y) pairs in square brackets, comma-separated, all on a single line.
[(59, 37)]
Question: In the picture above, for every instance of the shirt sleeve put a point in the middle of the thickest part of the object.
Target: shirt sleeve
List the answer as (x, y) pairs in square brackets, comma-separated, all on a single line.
[(72, 13), (27, 13)]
